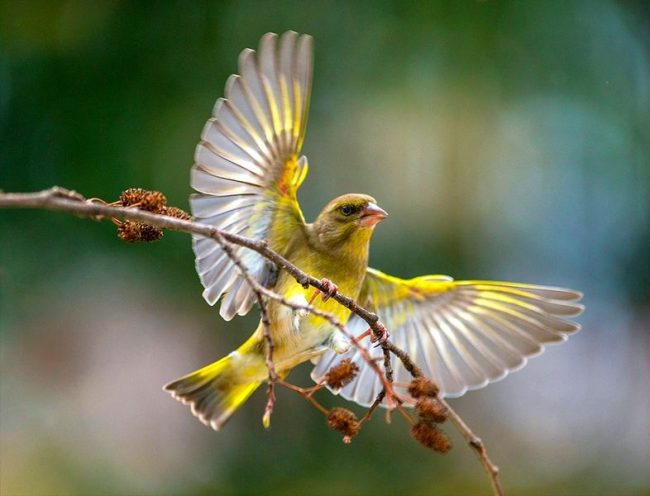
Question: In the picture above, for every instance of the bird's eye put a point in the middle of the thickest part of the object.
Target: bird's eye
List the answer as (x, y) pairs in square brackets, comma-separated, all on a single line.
[(346, 210)]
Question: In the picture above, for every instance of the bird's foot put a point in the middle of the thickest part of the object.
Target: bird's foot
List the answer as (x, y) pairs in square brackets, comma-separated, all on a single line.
[(330, 289), (381, 336)]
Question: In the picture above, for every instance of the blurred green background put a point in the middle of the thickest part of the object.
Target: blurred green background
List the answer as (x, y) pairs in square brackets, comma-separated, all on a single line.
[(508, 140)]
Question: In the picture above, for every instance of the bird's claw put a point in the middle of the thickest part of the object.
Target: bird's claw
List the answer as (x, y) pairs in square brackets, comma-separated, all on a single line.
[(330, 288), (380, 334)]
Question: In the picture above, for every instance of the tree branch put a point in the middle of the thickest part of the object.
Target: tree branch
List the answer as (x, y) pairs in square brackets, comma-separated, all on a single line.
[(69, 201)]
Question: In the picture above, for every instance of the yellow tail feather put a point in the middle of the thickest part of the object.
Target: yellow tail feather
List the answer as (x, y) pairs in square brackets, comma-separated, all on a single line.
[(213, 392)]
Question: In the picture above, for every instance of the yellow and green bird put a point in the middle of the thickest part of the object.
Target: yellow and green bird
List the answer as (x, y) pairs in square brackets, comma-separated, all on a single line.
[(248, 167)]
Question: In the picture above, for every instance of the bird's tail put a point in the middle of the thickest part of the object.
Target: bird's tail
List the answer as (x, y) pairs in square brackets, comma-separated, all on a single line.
[(217, 390)]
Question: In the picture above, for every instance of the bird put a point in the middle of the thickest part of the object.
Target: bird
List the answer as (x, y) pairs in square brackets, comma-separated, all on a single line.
[(247, 170)]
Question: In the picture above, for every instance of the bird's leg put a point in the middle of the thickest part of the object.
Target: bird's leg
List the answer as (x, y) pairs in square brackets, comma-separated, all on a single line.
[(313, 297), (330, 288), (365, 334)]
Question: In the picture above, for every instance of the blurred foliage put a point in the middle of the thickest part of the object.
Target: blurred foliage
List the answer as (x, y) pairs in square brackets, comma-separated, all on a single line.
[(507, 139)]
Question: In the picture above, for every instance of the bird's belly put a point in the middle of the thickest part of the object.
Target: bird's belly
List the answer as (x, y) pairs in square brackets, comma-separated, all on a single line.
[(296, 332), (299, 336)]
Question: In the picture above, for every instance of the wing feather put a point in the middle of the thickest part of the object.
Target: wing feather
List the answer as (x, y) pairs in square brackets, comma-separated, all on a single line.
[(463, 334), (248, 166)]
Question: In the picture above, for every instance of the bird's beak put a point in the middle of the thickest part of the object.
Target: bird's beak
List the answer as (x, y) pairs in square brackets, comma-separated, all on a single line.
[(372, 215)]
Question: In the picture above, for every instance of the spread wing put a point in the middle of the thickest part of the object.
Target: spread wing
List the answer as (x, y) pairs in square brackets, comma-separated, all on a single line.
[(247, 165), (463, 334)]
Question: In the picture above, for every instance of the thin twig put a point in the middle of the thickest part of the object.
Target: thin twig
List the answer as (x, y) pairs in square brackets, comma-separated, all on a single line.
[(388, 371), (479, 448), (305, 393)]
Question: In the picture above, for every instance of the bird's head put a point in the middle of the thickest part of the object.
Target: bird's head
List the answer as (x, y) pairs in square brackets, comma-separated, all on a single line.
[(349, 221)]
